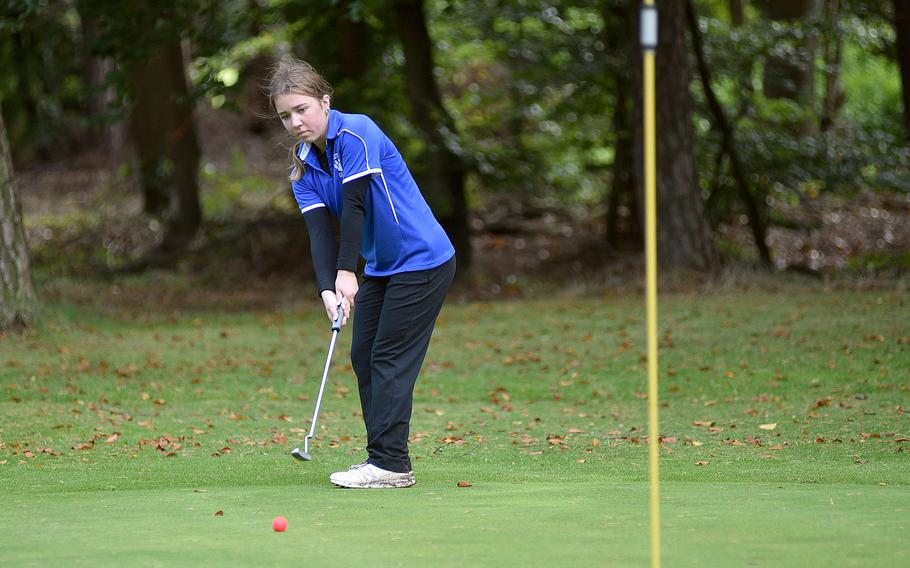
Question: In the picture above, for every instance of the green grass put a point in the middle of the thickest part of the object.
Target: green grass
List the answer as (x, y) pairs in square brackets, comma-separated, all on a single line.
[(539, 404)]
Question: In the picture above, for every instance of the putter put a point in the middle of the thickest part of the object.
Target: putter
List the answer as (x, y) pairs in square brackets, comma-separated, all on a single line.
[(304, 455)]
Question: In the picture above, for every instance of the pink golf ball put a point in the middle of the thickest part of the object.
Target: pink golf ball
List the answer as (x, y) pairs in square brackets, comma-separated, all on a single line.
[(279, 524)]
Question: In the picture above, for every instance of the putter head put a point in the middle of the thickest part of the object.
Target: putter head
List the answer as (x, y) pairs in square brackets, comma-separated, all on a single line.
[(301, 455)]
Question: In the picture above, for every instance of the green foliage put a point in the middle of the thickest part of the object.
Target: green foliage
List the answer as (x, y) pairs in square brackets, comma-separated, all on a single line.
[(882, 262), (531, 88), (532, 85), (47, 46), (781, 142), (874, 90), (41, 86)]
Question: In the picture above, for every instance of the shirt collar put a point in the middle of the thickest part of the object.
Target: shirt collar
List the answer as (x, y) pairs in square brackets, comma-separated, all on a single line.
[(306, 156), (334, 126)]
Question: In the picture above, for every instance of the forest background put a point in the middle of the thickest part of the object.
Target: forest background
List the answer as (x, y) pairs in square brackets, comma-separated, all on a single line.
[(140, 141)]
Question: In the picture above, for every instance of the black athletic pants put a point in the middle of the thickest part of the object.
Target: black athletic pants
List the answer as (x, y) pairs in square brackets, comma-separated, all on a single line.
[(393, 321)]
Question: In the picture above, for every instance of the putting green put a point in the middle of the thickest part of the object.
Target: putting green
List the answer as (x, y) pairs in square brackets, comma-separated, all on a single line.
[(784, 437), (437, 523)]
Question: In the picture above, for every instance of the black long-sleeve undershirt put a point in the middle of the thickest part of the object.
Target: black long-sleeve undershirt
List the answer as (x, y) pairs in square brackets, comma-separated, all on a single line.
[(327, 258), (352, 213), (323, 247)]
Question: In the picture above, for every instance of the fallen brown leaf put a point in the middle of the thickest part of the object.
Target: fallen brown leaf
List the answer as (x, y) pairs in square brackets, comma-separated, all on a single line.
[(465, 484), (824, 401)]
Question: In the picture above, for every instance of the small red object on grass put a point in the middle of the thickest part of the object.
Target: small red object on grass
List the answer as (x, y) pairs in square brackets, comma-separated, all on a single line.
[(279, 524)]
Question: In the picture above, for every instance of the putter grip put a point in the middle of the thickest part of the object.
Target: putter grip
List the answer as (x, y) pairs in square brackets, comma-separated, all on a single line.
[(336, 325)]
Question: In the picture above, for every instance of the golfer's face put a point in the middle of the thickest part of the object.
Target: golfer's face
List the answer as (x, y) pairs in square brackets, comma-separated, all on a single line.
[(303, 116)]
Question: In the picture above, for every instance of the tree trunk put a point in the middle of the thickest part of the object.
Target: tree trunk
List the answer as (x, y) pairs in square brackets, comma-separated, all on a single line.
[(444, 186), (102, 134), (729, 142), (18, 297), (737, 12), (253, 101), (186, 211), (833, 52), (619, 39), (622, 188), (355, 42), (164, 131), (902, 27), (684, 238), (149, 93)]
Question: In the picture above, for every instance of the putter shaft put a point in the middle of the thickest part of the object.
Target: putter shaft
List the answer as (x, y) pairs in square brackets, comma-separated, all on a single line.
[(336, 327)]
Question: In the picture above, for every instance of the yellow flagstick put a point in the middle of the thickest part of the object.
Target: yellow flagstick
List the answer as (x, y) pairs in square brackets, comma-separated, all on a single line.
[(649, 47)]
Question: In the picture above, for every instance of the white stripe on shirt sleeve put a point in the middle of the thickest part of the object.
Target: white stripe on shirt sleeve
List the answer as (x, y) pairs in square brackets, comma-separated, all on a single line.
[(370, 171), (311, 207), (392, 205)]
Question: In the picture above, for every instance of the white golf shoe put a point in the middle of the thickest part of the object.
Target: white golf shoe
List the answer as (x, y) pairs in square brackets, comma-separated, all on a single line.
[(368, 476)]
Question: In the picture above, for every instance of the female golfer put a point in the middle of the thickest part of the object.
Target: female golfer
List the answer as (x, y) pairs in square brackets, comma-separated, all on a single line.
[(344, 165)]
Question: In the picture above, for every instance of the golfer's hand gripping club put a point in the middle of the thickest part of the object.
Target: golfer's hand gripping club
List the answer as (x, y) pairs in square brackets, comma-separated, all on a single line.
[(304, 455), (339, 317)]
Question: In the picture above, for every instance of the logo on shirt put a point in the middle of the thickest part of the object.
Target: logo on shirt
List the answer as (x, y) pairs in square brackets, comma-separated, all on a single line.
[(337, 162)]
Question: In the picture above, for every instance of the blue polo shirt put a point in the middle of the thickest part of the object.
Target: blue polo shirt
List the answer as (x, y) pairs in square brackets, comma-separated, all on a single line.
[(400, 233)]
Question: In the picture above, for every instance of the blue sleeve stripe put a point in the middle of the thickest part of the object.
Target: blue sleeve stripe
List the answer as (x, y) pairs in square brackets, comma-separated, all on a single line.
[(311, 207), (370, 171), (389, 195)]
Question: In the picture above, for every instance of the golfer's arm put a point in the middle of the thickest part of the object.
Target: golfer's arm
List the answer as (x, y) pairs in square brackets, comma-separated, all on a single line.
[(352, 213), (323, 247)]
